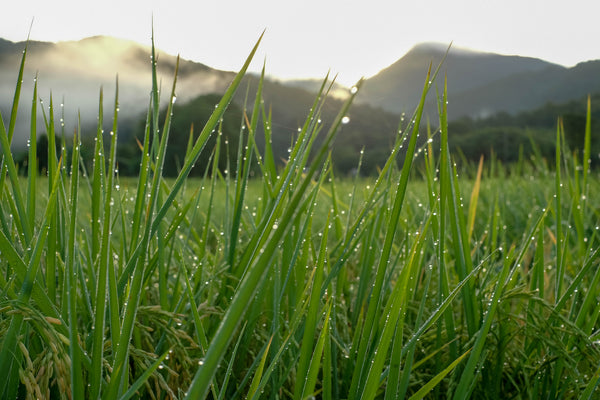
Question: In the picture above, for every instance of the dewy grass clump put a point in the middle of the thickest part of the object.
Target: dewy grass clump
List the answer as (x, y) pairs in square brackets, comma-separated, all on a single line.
[(421, 283)]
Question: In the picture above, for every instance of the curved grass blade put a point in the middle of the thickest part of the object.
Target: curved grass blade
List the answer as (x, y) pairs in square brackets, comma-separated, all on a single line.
[(473, 203), (258, 374), (587, 145), (144, 377), (21, 218), (230, 365), (428, 387), (98, 181), (72, 278), (242, 182), (53, 232), (560, 271), (203, 138), (32, 165), (315, 362)]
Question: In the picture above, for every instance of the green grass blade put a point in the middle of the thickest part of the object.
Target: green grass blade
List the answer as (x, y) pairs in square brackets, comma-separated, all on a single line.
[(203, 137), (270, 170), (15, 104), (254, 275), (72, 277), (53, 233), (306, 350), (428, 387), (106, 257), (473, 203), (468, 373), (103, 261), (32, 165), (394, 315), (315, 362), (372, 311), (558, 213), (7, 360), (397, 382), (142, 185), (131, 305), (243, 172), (98, 180), (230, 365), (435, 315), (444, 177), (591, 387), (587, 147), (137, 278), (21, 218), (295, 323), (135, 386), (258, 374), (329, 370)]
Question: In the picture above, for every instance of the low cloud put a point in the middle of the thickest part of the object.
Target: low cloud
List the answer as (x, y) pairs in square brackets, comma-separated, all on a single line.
[(74, 72)]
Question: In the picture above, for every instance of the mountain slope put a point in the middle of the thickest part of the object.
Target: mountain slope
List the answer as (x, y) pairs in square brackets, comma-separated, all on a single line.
[(479, 83), (75, 71)]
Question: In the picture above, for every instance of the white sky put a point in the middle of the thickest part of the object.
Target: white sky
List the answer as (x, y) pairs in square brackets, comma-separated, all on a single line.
[(306, 38)]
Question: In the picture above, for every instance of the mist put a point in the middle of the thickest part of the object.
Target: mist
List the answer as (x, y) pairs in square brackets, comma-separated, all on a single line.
[(74, 73)]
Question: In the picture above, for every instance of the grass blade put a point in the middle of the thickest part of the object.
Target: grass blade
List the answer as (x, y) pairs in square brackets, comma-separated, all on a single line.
[(72, 277), (135, 386), (428, 387), (306, 350), (368, 335), (258, 373), (7, 360)]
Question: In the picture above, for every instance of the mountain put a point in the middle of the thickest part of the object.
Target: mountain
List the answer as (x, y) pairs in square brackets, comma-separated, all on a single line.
[(528, 90), (75, 71), (479, 84)]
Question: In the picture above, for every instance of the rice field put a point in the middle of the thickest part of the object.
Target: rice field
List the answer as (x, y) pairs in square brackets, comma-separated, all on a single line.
[(427, 281)]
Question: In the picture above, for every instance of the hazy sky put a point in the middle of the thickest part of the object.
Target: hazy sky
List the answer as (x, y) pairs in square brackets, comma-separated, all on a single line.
[(307, 38)]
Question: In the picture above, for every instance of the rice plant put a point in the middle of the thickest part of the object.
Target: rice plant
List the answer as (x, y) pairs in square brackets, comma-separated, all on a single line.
[(424, 282)]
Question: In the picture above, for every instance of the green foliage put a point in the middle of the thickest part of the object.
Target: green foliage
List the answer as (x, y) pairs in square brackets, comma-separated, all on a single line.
[(191, 116), (428, 280), (534, 131)]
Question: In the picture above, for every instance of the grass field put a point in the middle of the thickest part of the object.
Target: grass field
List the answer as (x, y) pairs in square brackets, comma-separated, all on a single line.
[(429, 281)]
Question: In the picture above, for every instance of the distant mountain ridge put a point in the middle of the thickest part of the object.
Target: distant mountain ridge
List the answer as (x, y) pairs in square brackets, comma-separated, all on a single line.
[(479, 84), (76, 70)]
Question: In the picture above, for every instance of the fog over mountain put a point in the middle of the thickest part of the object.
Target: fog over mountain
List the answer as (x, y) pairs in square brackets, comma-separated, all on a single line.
[(479, 83), (75, 72)]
